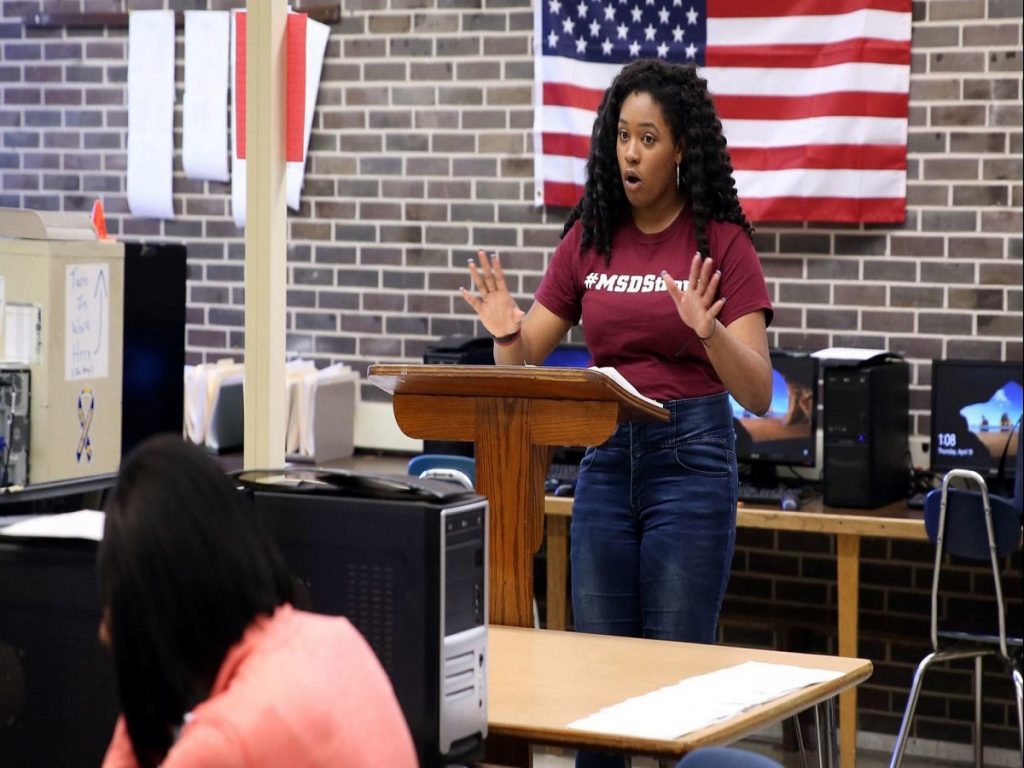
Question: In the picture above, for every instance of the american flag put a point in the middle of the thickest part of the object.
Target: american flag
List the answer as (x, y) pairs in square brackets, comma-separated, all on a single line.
[(812, 94)]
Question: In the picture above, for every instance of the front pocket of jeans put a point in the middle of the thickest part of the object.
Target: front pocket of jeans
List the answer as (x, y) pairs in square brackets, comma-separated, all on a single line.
[(710, 458)]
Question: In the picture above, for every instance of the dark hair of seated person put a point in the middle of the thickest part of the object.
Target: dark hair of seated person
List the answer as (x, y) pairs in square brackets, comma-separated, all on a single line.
[(184, 570)]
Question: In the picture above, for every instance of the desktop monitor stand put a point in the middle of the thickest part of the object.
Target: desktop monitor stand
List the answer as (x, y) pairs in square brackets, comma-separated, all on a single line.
[(761, 475)]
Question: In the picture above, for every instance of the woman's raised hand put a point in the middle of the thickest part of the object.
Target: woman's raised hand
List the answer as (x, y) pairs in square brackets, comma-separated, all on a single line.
[(492, 302), (699, 304)]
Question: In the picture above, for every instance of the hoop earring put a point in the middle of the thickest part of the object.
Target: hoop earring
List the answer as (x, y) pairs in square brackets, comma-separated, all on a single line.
[(677, 175)]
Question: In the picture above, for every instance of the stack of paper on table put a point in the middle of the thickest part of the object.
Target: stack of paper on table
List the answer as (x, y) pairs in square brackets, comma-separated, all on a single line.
[(700, 701), (321, 411), (213, 404), (85, 524)]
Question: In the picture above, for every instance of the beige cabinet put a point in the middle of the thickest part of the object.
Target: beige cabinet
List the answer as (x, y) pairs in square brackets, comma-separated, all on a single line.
[(61, 314)]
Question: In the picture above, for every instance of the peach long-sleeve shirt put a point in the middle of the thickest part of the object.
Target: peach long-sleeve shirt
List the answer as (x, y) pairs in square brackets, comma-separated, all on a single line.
[(298, 689)]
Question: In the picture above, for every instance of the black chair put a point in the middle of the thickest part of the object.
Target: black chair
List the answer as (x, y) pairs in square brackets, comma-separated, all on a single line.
[(444, 466), (974, 525)]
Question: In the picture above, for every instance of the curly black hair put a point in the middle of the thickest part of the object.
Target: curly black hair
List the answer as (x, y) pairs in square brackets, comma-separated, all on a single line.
[(705, 172)]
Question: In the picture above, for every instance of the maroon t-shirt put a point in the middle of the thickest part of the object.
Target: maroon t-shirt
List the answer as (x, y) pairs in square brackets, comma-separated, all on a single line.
[(629, 319)]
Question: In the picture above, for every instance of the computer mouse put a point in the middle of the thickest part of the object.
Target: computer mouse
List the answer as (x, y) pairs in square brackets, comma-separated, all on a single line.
[(565, 489), (790, 500)]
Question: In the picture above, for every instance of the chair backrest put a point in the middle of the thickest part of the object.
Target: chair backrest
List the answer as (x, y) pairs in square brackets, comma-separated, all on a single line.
[(966, 534), (444, 466), (1018, 496), (975, 525)]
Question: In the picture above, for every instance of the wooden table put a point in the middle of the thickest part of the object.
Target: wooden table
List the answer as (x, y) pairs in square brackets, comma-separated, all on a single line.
[(539, 681), (894, 521)]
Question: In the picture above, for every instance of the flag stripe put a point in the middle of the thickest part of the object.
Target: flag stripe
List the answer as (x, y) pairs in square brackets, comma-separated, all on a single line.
[(800, 30), (813, 182), (562, 195), (869, 157), (747, 81), (568, 144), (766, 133), (564, 169), (815, 130), (767, 81), (827, 209), (567, 95), (798, 56), (560, 69), (865, 103), (754, 107), (771, 8), (794, 107), (799, 181)]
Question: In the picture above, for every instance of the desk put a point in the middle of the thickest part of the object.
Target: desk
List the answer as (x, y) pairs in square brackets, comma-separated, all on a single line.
[(894, 521), (540, 681)]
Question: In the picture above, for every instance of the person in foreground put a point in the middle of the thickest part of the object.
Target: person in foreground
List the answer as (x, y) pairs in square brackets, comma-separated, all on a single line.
[(654, 515), (215, 667)]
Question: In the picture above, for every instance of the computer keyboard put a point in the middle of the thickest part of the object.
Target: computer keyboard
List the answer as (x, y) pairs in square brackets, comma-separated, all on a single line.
[(561, 479), (916, 501), (755, 494), (567, 473), (772, 496)]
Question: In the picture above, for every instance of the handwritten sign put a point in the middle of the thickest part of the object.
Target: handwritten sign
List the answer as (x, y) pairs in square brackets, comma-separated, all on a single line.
[(87, 321)]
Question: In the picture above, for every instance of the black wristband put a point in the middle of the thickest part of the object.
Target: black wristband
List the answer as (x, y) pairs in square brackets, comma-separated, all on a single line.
[(510, 338)]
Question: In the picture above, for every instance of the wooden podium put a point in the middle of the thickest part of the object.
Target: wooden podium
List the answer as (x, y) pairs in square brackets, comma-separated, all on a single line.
[(513, 414)]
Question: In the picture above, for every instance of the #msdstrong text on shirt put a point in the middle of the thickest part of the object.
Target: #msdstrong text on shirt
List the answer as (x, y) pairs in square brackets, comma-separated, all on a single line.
[(599, 281)]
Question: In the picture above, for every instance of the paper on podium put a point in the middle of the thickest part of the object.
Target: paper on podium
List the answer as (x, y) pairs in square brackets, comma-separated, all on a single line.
[(623, 382), (700, 701), (853, 355)]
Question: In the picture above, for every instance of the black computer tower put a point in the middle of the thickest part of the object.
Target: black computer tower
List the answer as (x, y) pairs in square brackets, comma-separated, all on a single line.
[(457, 349), (408, 568), (866, 453), (58, 690)]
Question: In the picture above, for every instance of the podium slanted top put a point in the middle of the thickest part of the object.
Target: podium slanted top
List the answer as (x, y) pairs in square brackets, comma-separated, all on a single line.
[(514, 381)]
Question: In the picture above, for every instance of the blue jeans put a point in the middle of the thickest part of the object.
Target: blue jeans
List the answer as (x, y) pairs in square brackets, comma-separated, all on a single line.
[(653, 529)]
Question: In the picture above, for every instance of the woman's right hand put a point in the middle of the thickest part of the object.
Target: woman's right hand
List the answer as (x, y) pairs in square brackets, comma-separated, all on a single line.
[(493, 304)]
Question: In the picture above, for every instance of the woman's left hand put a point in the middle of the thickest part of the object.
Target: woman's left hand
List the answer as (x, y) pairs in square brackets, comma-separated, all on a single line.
[(697, 305)]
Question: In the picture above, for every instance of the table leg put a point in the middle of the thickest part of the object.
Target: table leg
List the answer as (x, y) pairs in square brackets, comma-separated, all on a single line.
[(557, 563), (848, 593), (825, 723)]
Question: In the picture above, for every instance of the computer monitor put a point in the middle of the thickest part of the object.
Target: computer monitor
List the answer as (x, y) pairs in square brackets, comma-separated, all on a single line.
[(153, 385), (786, 434), (976, 413), (567, 355), (570, 356)]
